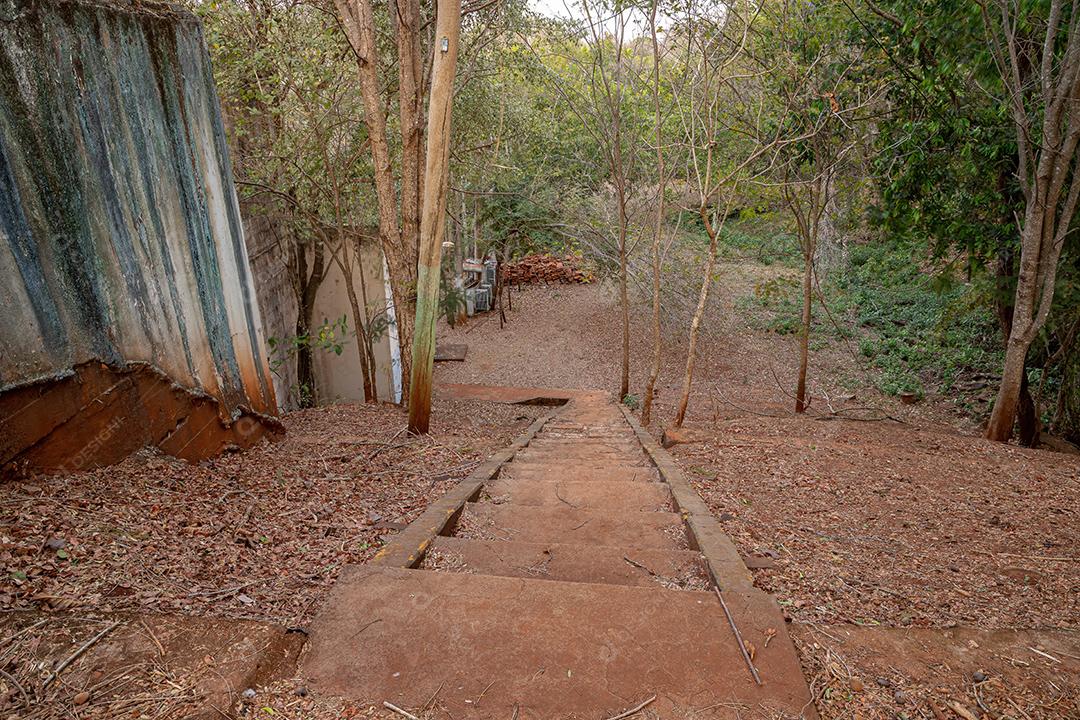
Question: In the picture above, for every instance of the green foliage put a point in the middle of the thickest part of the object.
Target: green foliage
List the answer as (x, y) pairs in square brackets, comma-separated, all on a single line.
[(329, 336), (631, 401), (916, 330), (451, 302)]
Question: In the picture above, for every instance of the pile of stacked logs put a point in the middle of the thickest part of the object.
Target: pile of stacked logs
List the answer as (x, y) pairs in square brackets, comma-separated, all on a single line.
[(545, 269)]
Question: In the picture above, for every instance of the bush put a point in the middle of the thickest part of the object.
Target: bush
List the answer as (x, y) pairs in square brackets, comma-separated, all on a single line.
[(915, 328)]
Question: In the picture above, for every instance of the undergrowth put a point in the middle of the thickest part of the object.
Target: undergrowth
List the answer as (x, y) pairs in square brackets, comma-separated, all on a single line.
[(917, 329), (748, 235)]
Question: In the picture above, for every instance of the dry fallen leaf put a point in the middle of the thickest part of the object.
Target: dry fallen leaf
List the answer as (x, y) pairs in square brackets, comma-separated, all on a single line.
[(770, 633)]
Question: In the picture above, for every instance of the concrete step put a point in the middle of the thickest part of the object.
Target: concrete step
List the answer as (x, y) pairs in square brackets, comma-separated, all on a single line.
[(519, 470), (603, 444), (592, 421), (610, 441), (497, 647), (584, 459), (671, 569), (544, 524), (567, 425), (588, 458), (615, 496)]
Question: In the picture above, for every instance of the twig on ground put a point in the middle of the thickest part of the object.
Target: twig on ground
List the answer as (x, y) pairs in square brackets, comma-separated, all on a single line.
[(431, 700), (22, 691), (244, 520), (840, 414), (146, 626), (639, 566), (28, 628), (399, 711), (779, 385), (387, 444), (633, 710), (738, 638), (78, 653), (1045, 655), (477, 701), (961, 710), (224, 592)]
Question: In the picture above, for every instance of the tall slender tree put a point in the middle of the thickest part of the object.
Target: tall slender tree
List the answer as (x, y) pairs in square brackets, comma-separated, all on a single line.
[(1036, 48), (433, 218)]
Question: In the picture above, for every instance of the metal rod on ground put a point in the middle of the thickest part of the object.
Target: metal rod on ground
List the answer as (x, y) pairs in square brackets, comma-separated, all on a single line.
[(78, 653), (632, 710), (738, 637), (399, 711)]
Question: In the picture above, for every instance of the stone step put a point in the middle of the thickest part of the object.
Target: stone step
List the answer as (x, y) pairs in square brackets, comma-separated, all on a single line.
[(615, 496), (498, 647), (564, 425), (616, 444), (671, 569), (547, 524), (565, 436), (587, 458), (575, 471), (583, 458), (589, 423)]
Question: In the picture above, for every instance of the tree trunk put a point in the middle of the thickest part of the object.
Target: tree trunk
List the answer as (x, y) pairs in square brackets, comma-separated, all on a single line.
[(624, 381), (433, 218), (1040, 80), (358, 320), (400, 249), (804, 333), (405, 19), (305, 363), (699, 312), (305, 370), (1005, 274), (658, 227), (1003, 417)]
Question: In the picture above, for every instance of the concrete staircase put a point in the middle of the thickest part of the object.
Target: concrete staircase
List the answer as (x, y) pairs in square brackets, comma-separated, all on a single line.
[(570, 584)]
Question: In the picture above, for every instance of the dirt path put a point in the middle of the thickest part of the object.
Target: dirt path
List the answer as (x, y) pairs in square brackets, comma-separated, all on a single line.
[(566, 588), (569, 336)]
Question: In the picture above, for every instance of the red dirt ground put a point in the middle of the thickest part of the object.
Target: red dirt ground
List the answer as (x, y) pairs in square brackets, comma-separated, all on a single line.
[(259, 535), (905, 528)]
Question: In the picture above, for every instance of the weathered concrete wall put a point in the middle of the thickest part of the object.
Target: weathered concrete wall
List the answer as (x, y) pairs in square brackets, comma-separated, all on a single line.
[(339, 377), (124, 276), (268, 241)]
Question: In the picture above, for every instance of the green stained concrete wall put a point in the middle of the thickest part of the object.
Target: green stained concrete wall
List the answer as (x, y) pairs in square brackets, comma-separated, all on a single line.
[(120, 232)]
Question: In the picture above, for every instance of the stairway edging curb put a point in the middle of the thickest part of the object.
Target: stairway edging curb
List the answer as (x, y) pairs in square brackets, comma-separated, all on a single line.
[(721, 556)]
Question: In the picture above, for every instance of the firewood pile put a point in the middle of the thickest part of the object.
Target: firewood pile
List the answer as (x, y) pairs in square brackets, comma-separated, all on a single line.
[(543, 269)]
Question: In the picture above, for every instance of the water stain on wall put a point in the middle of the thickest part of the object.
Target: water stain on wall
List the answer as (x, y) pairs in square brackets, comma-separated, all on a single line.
[(122, 260)]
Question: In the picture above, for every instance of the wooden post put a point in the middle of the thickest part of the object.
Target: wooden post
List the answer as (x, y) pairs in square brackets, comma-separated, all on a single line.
[(433, 214)]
